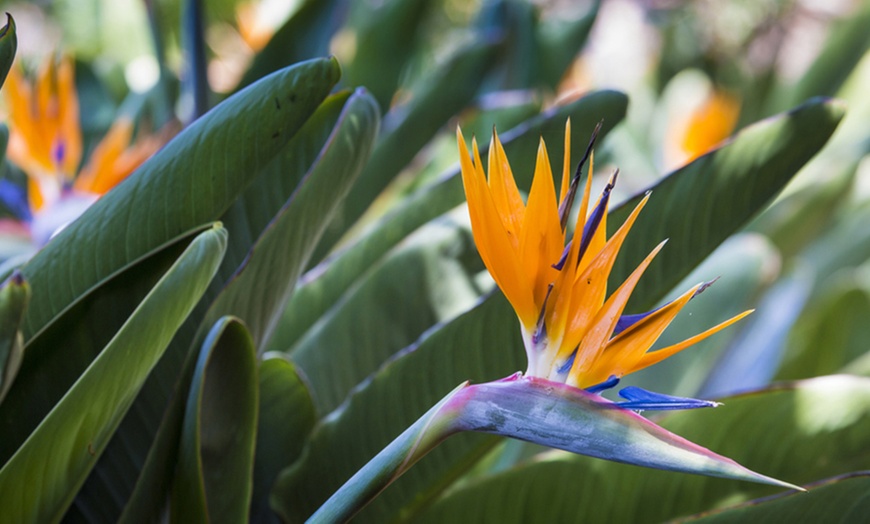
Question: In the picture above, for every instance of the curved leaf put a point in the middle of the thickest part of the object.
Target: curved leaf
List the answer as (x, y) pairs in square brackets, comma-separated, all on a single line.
[(285, 421), (14, 296), (153, 207), (408, 128), (840, 500), (481, 345), (801, 431), (323, 286), (213, 480), (306, 34), (700, 205), (383, 43), (268, 274), (41, 478), (415, 287), (300, 185)]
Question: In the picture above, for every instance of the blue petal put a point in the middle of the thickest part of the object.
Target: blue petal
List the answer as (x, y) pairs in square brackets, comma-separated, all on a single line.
[(607, 384), (638, 399), (14, 199), (591, 225)]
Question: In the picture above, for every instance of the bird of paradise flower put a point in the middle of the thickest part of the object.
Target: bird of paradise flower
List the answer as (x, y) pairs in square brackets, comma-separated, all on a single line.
[(578, 341), (46, 143), (570, 332)]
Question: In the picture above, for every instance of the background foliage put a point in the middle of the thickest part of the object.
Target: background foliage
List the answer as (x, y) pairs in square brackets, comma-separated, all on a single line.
[(291, 281)]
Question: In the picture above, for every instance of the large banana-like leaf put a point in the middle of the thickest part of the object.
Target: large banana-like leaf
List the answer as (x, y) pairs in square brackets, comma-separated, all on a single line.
[(268, 252), (107, 492), (407, 128), (801, 431), (481, 345), (41, 478), (213, 480), (414, 288), (190, 182), (286, 418), (698, 206), (306, 34), (323, 286), (840, 500), (383, 43), (14, 296)]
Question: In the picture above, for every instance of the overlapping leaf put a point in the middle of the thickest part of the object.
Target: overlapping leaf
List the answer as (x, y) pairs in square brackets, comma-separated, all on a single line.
[(41, 478)]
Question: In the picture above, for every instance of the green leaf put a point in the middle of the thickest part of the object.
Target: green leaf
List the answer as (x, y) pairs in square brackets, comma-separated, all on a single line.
[(847, 44), (213, 479), (842, 500), (153, 207), (700, 205), (408, 128), (14, 296), (41, 478), (264, 281), (324, 285), (382, 45), (540, 411), (560, 39), (832, 331), (419, 285), (481, 345), (753, 357), (286, 418), (801, 431), (306, 34), (301, 185), (107, 491), (8, 46)]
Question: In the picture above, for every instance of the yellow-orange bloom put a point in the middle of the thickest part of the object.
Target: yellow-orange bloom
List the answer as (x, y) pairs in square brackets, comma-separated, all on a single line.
[(46, 142), (706, 127), (573, 332)]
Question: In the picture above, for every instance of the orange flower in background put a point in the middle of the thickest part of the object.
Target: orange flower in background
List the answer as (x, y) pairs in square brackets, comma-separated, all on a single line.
[(706, 127), (572, 330), (46, 142)]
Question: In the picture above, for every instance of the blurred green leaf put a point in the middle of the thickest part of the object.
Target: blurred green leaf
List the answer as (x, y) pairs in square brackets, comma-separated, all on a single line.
[(407, 129), (213, 480), (14, 296), (698, 206), (382, 43), (324, 285), (8, 46), (419, 285), (842, 500), (800, 432), (305, 35), (744, 265), (286, 418), (752, 358), (41, 478), (847, 43), (832, 331), (794, 221), (560, 40)]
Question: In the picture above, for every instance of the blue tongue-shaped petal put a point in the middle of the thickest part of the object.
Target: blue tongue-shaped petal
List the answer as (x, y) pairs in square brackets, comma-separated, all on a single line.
[(639, 398)]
